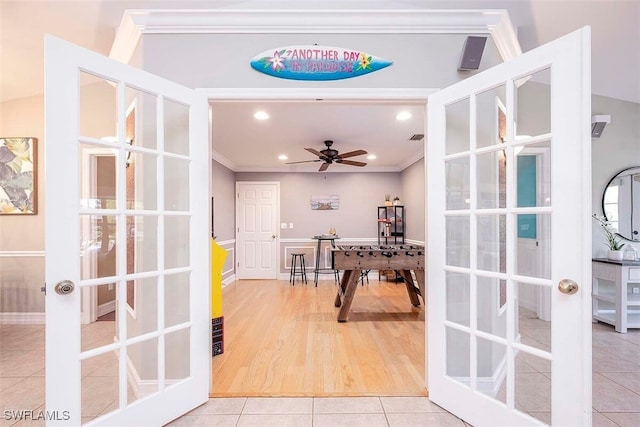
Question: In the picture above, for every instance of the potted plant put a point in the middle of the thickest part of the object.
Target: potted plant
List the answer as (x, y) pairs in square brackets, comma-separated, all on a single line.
[(613, 242), (387, 200), (396, 201)]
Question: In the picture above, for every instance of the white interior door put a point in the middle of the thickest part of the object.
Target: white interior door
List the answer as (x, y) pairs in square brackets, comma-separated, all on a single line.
[(150, 363), (491, 360), (257, 230)]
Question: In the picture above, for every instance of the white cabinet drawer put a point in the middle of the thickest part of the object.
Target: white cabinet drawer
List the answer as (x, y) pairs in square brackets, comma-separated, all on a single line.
[(634, 273), (602, 270)]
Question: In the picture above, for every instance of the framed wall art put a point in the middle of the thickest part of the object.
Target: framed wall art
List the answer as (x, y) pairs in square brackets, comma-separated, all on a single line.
[(18, 176)]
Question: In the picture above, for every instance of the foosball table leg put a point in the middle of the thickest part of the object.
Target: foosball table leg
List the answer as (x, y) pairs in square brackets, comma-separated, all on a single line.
[(411, 288), (349, 284)]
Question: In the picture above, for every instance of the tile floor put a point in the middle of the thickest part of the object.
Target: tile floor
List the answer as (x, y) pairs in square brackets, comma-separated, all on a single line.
[(616, 389)]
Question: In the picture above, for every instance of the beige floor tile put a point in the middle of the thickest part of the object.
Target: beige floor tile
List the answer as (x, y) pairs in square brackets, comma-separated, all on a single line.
[(440, 419), (7, 382), (611, 397), (29, 341), (533, 392), (623, 419), (608, 338), (602, 420), (347, 405), (221, 405), (409, 404), (350, 420), (278, 405), (625, 350), (26, 394), (219, 420), (20, 363), (630, 380), (605, 361), (275, 420)]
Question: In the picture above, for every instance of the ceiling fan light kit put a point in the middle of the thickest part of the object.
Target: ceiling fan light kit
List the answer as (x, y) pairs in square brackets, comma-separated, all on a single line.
[(329, 156)]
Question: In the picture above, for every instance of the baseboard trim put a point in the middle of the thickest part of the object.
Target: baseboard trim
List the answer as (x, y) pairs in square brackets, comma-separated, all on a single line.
[(107, 307), (37, 318), (228, 280)]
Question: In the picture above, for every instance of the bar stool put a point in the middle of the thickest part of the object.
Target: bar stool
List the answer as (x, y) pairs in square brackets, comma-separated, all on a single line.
[(298, 268)]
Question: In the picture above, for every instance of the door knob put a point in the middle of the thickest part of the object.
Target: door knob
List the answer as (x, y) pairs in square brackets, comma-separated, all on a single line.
[(273, 236), (568, 286), (64, 287)]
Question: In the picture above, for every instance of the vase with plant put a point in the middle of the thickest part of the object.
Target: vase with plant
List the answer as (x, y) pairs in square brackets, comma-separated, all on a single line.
[(387, 200), (614, 243), (396, 201)]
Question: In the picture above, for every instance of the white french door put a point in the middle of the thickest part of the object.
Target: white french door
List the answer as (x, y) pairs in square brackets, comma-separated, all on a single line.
[(491, 360), (150, 224), (257, 230)]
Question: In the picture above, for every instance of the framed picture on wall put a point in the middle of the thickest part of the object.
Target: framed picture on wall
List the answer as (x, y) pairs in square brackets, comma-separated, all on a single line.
[(18, 176)]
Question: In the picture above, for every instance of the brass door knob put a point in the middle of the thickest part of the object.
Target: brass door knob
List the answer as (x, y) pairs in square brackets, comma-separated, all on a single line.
[(568, 286)]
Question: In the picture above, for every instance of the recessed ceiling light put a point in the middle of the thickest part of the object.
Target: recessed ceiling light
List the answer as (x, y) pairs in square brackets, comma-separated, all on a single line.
[(283, 157), (403, 115), (371, 157), (260, 115)]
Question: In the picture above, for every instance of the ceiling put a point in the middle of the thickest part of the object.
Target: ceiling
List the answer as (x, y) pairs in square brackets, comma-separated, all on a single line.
[(254, 146)]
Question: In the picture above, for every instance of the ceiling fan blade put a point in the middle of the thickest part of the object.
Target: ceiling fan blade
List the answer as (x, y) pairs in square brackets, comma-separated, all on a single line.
[(350, 162), (303, 161), (313, 151), (323, 167), (351, 154)]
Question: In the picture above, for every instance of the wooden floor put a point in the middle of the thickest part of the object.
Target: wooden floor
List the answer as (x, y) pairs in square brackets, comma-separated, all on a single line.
[(281, 340)]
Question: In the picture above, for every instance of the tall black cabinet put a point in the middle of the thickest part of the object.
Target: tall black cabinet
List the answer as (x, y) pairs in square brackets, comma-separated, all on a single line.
[(391, 225)]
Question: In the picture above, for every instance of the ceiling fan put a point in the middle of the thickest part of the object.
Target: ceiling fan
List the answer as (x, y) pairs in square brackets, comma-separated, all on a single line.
[(329, 156)]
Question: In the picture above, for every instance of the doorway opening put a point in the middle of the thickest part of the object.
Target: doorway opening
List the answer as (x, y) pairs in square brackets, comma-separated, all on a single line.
[(304, 350)]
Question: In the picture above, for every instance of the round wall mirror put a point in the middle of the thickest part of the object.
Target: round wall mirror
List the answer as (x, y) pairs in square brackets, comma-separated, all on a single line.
[(621, 203)]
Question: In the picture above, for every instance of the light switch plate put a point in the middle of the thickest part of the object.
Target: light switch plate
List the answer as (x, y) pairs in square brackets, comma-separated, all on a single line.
[(290, 225)]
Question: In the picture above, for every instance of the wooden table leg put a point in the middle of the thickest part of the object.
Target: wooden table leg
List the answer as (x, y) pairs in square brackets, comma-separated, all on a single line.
[(421, 285), (342, 287), (351, 284), (411, 289)]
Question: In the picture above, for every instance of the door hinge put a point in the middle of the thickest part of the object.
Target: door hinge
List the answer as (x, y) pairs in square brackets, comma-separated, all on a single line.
[(44, 289), (238, 264)]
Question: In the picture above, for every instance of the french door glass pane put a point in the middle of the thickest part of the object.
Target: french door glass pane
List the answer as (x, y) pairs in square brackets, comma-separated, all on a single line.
[(491, 242), (177, 357), (176, 177), (176, 241), (105, 330), (533, 103), (492, 369), (457, 127), (491, 308), (98, 174), (141, 118), (142, 377), (99, 385), (142, 181), (458, 363), (97, 246), (142, 243), (457, 184), (142, 306), (176, 127), (176, 299), (534, 316), (457, 229), (532, 386), (458, 298), (491, 118), (533, 245), (491, 180), (98, 107)]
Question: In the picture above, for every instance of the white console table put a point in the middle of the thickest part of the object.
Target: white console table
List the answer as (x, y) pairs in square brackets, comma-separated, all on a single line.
[(616, 293)]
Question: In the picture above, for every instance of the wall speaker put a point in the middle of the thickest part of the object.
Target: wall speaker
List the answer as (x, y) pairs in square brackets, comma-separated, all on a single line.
[(472, 53), (598, 123)]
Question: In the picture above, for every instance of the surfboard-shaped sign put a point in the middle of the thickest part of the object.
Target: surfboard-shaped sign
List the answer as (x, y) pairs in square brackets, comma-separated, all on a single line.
[(316, 63)]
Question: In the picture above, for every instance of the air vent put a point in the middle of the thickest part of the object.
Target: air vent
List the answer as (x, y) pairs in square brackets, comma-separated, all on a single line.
[(417, 137)]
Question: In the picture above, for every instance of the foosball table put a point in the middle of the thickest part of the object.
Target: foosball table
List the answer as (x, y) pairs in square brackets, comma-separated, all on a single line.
[(403, 259)]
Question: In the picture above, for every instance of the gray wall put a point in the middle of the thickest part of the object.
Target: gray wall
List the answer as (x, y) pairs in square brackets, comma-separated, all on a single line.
[(360, 195), (413, 197)]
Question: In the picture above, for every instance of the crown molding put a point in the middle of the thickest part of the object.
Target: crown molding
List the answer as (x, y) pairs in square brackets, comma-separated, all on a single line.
[(135, 23)]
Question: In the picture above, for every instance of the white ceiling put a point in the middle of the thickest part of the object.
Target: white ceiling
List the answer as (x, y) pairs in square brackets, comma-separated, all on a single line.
[(255, 146)]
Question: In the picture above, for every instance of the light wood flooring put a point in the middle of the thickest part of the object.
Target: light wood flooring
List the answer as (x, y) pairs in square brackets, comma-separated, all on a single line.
[(283, 340)]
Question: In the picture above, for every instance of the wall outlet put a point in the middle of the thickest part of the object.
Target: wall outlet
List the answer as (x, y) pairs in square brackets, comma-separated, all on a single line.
[(635, 290), (283, 225)]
